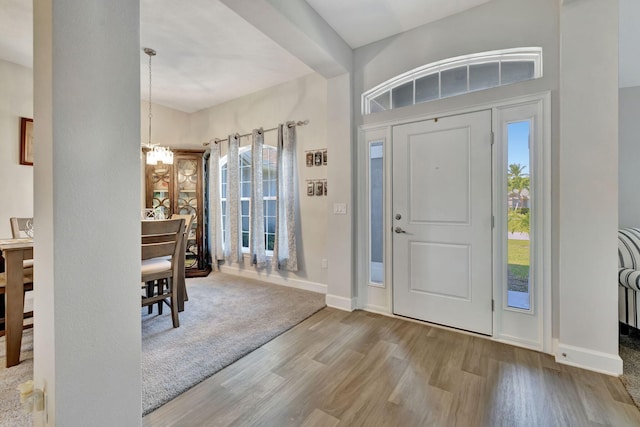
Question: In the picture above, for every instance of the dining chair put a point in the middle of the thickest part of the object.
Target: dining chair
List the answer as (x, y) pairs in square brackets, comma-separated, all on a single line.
[(160, 240), (20, 229), (188, 220), (27, 281), (181, 284)]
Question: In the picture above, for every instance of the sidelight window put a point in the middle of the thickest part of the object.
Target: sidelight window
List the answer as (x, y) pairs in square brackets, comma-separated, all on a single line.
[(519, 213), (376, 213)]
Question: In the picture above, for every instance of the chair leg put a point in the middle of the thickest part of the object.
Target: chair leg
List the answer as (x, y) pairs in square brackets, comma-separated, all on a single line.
[(160, 283), (2, 314), (150, 293), (174, 303), (624, 329)]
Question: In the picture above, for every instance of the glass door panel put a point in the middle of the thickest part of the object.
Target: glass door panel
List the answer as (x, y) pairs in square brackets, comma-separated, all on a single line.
[(376, 212), (187, 203), (161, 185), (518, 215)]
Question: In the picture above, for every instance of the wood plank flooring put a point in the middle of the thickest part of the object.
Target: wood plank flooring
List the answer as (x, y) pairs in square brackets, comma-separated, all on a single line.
[(362, 369)]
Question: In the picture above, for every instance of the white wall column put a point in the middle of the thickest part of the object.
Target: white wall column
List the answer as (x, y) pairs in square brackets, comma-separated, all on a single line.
[(340, 173), (588, 185), (87, 212), (629, 153)]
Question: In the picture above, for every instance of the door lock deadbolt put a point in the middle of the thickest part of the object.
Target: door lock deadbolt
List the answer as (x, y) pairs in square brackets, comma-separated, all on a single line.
[(398, 216)]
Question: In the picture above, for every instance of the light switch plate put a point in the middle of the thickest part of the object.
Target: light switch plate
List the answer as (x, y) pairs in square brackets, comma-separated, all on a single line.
[(340, 208)]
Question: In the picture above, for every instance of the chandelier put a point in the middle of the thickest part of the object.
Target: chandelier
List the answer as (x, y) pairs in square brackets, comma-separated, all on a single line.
[(155, 153)]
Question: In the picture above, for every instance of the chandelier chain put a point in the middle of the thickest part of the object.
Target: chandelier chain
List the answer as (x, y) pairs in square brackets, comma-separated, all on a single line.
[(150, 115), (155, 154)]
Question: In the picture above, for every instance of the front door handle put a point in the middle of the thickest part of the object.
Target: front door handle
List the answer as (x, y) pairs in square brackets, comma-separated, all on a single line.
[(399, 230)]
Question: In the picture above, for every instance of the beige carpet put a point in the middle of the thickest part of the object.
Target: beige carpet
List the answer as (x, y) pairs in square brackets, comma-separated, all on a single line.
[(225, 318), (10, 412), (630, 354)]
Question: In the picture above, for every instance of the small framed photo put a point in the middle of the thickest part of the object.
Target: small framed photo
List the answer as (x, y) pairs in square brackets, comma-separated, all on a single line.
[(325, 188), (309, 158), (319, 188), (318, 158), (26, 141), (324, 157), (310, 188)]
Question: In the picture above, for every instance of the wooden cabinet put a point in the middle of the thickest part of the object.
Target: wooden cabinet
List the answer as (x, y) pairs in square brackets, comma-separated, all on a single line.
[(179, 189)]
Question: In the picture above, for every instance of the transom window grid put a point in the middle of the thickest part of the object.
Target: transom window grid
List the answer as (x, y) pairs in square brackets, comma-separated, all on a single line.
[(269, 158), (454, 76)]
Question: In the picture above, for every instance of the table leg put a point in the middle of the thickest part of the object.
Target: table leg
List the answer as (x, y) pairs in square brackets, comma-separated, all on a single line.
[(14, 307)]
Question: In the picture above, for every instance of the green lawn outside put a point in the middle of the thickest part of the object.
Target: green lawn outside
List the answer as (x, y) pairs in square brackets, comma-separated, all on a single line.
[(518, 258)]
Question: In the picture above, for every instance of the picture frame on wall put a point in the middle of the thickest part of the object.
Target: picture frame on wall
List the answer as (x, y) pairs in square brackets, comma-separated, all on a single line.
[(319, 188), (318, 158), (26, 141), (309, 159), (310, 188), (324, 157)]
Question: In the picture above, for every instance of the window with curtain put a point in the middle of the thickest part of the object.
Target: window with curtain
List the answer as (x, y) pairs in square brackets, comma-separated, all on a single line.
[(269, 157)]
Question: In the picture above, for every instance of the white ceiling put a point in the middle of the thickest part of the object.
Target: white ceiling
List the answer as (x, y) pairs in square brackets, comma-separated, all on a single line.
[(16, 32), (207, 54), (360, 22)]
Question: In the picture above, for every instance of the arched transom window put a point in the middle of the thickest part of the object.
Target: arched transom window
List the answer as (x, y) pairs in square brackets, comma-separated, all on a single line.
[(455, 76)]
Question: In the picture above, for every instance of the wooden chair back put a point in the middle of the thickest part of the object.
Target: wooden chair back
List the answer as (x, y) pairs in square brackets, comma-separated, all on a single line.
[(188, 220), (162, 238), (182, 286), (19, 227)]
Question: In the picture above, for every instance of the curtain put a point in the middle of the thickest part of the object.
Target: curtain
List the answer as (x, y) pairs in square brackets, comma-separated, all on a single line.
[(256, 240), (285, 255), (233, 248), (215, 208)]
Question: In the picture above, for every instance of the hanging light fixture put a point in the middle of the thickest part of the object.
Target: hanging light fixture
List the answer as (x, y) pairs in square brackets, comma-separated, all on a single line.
[(155, 154)]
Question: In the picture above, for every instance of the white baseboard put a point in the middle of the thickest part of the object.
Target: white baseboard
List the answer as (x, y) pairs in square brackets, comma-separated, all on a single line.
[(275, 279), (341, 303), (519, 342), (378, 309), (606, 363)]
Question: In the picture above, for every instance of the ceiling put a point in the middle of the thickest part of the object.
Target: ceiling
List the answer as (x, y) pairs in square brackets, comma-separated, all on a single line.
[(207, 54), (360, 22)]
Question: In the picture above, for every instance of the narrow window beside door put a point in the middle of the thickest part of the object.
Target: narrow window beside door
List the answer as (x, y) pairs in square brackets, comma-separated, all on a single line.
[(376, 209), (518, 215)]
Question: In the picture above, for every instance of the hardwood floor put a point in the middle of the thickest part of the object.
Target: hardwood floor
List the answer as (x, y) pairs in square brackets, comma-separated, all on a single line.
[(362, 369)]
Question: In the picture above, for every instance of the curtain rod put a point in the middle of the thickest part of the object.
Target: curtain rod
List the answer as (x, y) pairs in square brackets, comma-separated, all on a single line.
[(237, 135)]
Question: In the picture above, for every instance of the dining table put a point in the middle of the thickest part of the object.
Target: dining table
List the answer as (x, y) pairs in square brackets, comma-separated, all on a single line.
[(14, 251)]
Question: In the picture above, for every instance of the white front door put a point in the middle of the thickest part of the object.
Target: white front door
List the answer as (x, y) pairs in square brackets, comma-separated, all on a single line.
[(442, 255)]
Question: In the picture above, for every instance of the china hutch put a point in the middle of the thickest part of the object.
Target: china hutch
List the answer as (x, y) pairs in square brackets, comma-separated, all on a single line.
[(179, 189)]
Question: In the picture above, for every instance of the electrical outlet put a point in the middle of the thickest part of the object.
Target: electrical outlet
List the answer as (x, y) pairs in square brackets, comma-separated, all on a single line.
[(325, 263)]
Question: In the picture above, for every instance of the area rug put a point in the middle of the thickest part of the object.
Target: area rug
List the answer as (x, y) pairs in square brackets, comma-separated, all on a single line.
[(630, 354), (225, 318), (11, 413)]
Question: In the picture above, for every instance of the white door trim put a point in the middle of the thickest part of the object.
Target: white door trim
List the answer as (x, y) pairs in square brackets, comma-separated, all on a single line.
[(380, 300)]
